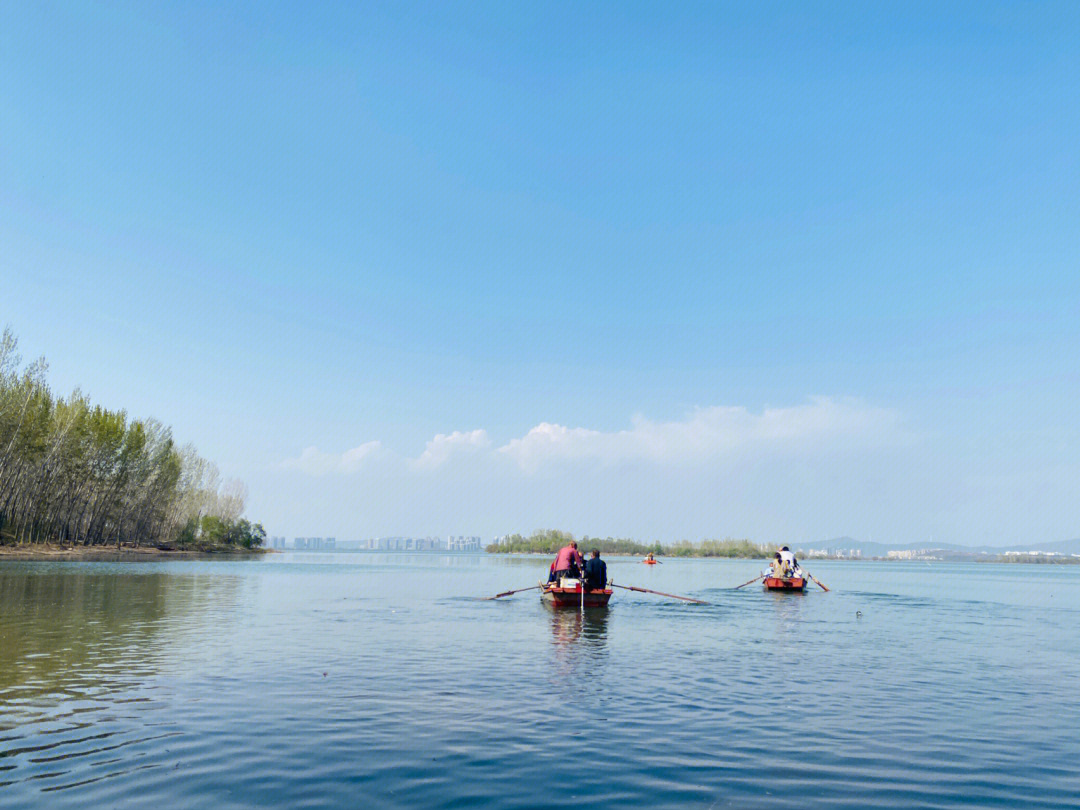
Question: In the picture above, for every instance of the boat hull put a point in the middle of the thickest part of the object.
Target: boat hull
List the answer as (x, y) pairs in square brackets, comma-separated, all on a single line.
[(571, 597), (785, 584), (649, 562)]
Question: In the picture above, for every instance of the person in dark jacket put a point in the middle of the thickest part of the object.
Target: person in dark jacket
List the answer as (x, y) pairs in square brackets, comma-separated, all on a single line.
[(595, 572)]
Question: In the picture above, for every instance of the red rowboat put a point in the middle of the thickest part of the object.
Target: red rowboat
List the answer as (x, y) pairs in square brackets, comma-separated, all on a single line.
[(649, 562), (567, 593), (785, 583)]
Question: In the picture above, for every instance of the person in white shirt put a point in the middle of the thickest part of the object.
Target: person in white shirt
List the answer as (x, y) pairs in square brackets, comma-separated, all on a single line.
[(788, 561)]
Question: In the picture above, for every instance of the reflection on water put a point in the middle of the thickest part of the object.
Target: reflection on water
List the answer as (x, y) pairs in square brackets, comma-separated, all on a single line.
[(568, 626), (786, 605), (578, 639), (50, 627), (79, 648), (85, 632), (339, 681)]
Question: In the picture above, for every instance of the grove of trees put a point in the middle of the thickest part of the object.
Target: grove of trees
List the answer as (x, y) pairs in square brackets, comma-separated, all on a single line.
[(549, 541), (75, 473)]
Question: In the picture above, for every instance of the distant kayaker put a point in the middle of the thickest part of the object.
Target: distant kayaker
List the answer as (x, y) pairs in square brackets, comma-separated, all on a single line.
[(568, 562), (595, 572)]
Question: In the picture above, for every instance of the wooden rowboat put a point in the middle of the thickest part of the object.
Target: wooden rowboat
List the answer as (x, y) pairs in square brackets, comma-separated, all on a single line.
[(785, 584), (567, 593)]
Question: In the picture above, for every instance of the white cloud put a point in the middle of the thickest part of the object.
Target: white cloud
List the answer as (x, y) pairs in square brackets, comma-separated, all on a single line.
[(352, 459), (708, 433), (440, 449), (705, 435), (313, 461), (820, 468)]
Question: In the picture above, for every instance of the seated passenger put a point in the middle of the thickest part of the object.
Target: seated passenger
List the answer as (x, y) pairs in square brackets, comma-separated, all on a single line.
[(595, 572), (788, 558)]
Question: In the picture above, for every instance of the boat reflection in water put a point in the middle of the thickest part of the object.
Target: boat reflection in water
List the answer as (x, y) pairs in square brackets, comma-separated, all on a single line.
[(578, 638)]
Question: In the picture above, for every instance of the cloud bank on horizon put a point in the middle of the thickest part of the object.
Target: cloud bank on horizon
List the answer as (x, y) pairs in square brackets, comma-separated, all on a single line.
[(709, 434), (823, 468), (718, 470)]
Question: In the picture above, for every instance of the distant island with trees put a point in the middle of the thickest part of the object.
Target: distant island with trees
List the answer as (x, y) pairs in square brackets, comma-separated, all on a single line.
[(549, 541), (74, 475)]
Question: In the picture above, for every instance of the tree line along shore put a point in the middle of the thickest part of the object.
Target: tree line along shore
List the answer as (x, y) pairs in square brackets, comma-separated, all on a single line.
[(77, 475), (549, 541)]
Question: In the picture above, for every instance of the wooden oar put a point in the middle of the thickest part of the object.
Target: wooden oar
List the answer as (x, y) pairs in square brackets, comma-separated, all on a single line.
[(751, 582), (818, 582), (660, 593), (507, 593)]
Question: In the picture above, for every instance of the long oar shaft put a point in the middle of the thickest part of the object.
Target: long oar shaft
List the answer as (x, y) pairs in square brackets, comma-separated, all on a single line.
[(660, 593), (508, 593), (819, 582), (751, 582)]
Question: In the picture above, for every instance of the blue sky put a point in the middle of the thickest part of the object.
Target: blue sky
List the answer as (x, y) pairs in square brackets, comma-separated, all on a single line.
[(788, 269)]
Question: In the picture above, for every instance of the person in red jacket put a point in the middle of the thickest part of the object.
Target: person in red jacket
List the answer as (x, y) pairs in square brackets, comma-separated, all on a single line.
[(568, 562)]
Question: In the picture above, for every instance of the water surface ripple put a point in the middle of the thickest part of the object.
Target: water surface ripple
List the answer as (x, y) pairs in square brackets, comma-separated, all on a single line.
[(369, 680)]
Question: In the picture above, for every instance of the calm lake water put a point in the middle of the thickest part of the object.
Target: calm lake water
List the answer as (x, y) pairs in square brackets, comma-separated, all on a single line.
[(371, 680)]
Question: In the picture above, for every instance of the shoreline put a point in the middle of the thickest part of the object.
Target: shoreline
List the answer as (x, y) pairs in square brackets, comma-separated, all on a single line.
[(48, 552), (1023, 559)]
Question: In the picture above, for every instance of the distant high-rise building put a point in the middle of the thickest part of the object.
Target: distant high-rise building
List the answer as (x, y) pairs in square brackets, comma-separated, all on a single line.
[(451, 543), (462, 543), (314, 543)]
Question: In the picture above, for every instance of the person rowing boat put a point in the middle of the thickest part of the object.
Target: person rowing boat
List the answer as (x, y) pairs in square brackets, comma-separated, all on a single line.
[(568, 563), (568, 589)]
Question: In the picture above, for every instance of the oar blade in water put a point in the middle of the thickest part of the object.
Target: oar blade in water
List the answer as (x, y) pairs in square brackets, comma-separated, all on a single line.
[(661, 593), (508, 593)]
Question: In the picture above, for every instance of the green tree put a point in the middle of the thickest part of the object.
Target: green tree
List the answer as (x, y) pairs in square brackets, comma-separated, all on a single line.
[(72, 472)]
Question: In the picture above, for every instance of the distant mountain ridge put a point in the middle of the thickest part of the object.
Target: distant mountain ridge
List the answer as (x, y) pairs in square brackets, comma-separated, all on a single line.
[(872, 549)]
